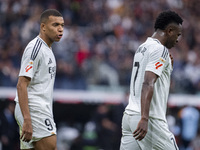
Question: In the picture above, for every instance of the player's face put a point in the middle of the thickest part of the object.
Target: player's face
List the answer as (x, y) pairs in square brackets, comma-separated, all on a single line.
[(54, 28), (173, 34)]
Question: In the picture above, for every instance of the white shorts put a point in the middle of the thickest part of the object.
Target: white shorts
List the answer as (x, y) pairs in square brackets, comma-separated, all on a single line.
[(158, 136), (43, 126)]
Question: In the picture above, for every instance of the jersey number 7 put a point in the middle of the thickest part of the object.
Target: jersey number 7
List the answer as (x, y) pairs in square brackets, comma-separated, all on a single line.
[(137, 65)]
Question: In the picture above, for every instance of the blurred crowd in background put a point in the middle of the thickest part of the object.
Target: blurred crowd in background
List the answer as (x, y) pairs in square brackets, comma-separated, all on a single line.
[(99, 42), (100, 39)]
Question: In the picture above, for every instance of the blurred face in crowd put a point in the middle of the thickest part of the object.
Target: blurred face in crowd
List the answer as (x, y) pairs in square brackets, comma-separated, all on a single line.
[(53, 29), (173, 32)]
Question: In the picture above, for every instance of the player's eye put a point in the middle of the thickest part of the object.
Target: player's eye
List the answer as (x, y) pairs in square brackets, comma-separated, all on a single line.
[(55, 24)]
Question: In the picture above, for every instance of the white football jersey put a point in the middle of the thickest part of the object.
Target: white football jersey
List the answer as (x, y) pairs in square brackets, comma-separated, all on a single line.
[(38, 63), (151, 56)]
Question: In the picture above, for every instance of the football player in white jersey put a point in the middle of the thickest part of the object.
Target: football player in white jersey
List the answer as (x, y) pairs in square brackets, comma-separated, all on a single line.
[(144, 125), (34, 98)]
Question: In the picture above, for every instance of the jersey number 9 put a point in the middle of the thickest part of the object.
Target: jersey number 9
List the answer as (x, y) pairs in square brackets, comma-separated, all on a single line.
[(48, 124)]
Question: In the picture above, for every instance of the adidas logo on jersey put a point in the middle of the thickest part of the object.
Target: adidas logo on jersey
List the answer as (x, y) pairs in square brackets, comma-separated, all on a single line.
[(50, 61)]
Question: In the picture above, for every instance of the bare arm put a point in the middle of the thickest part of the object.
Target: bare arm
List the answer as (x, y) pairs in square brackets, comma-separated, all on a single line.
[(146, 96), (147, 93), (22, 85)]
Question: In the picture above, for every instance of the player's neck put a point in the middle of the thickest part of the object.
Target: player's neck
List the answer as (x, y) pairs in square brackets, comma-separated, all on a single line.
[(46, 40), (159, 35)]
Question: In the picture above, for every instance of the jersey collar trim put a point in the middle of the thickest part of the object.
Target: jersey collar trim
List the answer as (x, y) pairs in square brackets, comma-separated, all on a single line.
[(43, 41), (155, 40)]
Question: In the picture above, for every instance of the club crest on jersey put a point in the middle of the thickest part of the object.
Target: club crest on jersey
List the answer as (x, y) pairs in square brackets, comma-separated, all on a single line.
[(158, 65)]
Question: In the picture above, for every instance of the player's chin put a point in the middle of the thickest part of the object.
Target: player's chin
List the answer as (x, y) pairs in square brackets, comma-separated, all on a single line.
[(57, 40)]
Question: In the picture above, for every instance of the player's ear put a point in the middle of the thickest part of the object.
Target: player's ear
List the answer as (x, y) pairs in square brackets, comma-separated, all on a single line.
[(43, 27), (170, 29)]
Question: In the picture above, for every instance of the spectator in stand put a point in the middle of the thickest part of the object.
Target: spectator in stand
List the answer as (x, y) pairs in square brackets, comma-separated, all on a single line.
[(189, 116), (105, 127), (8, 128)]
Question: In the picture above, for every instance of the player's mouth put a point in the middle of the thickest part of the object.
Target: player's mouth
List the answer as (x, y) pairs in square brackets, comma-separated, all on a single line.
[(59, 36)]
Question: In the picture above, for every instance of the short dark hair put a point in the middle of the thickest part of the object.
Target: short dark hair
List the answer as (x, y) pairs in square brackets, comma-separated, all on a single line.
[(165, 18), (49, 12)]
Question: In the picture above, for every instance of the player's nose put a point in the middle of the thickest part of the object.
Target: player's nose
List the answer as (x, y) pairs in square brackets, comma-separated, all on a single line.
[(60, 29)]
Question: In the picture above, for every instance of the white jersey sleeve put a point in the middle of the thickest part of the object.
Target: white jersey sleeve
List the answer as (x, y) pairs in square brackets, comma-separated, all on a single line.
[(30, 60), (157, 60)]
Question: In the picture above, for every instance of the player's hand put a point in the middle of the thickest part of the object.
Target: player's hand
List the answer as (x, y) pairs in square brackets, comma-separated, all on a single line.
[(141, 130), (27, 131), (172, 59)]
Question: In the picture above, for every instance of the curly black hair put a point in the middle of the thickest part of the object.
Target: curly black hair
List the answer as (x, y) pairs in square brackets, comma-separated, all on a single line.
[(165, 18)]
